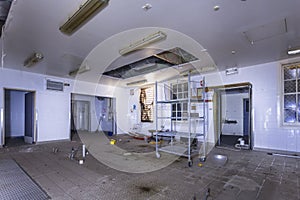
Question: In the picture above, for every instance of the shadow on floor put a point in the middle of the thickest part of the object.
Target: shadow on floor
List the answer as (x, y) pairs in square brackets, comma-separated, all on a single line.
[(230, 140), (15, 141)]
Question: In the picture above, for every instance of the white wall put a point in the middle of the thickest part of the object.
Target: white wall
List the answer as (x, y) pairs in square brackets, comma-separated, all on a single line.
[(53, 116), (53, 108), (268, 130)]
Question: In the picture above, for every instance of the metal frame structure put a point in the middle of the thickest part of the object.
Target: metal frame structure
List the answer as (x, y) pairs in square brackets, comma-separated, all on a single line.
[(193, 120)]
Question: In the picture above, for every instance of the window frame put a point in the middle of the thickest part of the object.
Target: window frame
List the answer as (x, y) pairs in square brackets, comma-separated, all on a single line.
[(285, 93), (181, 108)]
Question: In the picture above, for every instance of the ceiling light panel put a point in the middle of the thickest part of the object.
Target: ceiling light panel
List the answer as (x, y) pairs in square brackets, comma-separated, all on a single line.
[(89, 9)]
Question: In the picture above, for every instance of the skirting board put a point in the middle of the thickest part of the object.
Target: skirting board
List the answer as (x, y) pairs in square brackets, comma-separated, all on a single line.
[(53, 141), (275, 151)]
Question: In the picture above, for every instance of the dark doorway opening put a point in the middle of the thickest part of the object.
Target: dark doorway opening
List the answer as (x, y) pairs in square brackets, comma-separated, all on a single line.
[(19, 117)]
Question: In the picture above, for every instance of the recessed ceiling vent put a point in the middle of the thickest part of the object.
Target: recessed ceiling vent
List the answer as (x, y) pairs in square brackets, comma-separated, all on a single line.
[(55, 85), (165, 59), (266, 31)]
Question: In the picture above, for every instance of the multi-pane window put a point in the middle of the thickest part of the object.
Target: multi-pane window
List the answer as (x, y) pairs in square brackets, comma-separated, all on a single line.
[(146, 101), (179, 91), (291, 94)]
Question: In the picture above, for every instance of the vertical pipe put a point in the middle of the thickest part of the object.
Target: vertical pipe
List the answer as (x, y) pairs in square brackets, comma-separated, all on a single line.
[(171, 97), (250, 139), (2, 48), (114, 116), (219, 111), (189, 116), (204, 116), (156, 119)]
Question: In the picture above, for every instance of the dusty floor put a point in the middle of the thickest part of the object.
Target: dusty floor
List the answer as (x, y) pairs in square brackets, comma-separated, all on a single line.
[(245, 175)]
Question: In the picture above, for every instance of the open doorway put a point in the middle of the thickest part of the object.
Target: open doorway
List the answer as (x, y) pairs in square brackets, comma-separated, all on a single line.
[(19, 117), (235, 116), (81, 115), (93, 114)]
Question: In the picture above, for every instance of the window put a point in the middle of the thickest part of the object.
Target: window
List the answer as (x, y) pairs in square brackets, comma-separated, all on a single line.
[(146, 101), (291, 94), (179, 91)]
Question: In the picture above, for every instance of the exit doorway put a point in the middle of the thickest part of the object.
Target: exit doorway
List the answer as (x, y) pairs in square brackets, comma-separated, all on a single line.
[(19, 117), (234, 129), (92, 114)]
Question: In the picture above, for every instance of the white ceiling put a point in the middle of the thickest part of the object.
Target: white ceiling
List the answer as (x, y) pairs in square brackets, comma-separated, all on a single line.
[(33, 26)]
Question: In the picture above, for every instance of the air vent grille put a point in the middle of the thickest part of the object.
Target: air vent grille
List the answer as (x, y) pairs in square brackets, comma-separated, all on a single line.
[(55, 85)]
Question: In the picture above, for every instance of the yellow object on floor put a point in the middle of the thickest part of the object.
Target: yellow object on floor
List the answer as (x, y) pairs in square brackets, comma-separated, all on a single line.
[(153, 142), (200, 164), (112, 141)]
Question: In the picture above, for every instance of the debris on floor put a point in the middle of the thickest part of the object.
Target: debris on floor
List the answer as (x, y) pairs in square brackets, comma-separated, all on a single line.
[(242, 183), (138, 136), (246, 174), (26, 150), (55, 150), (80, 162)]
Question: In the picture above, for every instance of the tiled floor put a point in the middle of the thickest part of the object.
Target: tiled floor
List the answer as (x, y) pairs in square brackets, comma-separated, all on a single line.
[(247, 175)]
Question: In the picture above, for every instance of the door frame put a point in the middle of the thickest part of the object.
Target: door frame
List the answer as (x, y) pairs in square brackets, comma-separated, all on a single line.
[(218, 90), (3, 120)]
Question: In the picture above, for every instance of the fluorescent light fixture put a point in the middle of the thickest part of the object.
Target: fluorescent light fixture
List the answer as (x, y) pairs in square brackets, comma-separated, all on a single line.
[(207, 68), (230, 71), (187, 72), (293, 51), (80, 70), (82, 15), (137, 82), (143, 42), (33, 59), (145, 66), (197, 70)]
